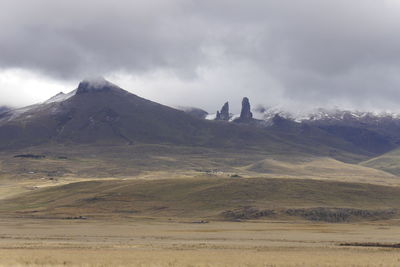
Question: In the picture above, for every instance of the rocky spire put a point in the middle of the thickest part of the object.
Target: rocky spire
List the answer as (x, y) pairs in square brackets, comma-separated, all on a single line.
[(246, 114), (224, 114), (218, 116)]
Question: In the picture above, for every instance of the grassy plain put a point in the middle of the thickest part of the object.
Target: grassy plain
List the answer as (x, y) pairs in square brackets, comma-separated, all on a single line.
[(199, 197), (156, 205), (178, 243)]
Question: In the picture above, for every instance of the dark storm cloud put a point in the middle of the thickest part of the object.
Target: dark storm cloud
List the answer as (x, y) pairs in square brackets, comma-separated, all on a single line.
[(70, 38), (312, 52)]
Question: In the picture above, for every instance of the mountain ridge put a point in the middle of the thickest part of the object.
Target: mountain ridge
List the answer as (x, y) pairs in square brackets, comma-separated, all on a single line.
[(100, 112), (108, 114)]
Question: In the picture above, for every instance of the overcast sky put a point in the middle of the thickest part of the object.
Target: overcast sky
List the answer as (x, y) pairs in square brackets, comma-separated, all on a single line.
[(295, 54)]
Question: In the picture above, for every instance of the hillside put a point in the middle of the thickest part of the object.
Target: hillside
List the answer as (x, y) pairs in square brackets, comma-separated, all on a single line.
[(388, 162), (98, 112), (101, 113), (203, 197), (99, 142)]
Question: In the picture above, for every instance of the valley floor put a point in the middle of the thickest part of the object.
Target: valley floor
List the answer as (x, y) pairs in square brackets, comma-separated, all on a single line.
[(149, 242), (153, 205)]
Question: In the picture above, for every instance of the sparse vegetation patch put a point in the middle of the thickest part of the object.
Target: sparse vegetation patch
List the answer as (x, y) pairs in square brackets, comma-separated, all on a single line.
[(30, 156), (332, 215)]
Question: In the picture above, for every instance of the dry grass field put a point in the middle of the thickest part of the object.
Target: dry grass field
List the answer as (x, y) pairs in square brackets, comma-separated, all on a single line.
[(388, 162), (182, 206), (182, 243)]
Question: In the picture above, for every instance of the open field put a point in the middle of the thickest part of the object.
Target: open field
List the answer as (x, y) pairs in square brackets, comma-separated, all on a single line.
[(63, 165), (102, 243), (155, 205), (210, 197), (181, 222), (42, 242)]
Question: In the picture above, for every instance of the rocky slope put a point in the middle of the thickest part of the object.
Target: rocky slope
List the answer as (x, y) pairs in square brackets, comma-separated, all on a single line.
[(99, 112)]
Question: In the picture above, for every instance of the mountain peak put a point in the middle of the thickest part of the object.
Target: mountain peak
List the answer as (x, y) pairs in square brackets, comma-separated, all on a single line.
[(245, 113), (95, 84)]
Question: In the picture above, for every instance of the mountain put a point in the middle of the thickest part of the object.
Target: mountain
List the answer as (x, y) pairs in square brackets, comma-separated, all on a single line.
[(377, 132), (333, 116), (99, 112), (374, 132), (361, 131)]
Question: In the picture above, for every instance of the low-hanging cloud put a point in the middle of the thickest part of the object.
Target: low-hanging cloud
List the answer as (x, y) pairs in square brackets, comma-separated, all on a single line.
[(278, 52)]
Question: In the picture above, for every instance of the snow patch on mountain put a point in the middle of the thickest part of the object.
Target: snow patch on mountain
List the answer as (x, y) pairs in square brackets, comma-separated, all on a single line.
[(29, 111), (60, 97), (234, 117), (211, 117), (321, 114)]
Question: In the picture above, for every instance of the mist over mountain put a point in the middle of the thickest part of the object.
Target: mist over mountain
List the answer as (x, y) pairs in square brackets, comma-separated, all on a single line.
[(99, 112), (205, 53)]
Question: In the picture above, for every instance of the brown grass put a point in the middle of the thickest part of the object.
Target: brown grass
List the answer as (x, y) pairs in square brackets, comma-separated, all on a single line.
[(282, 257), (144, 200), (155, 243)]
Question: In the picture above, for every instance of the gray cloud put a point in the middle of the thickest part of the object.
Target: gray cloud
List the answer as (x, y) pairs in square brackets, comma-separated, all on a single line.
[(74, 38), (293, 53)]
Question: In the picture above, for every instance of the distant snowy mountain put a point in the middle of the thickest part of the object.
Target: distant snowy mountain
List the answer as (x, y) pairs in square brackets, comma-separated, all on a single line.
[(325, 115), (371, 131), (99, 112)]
